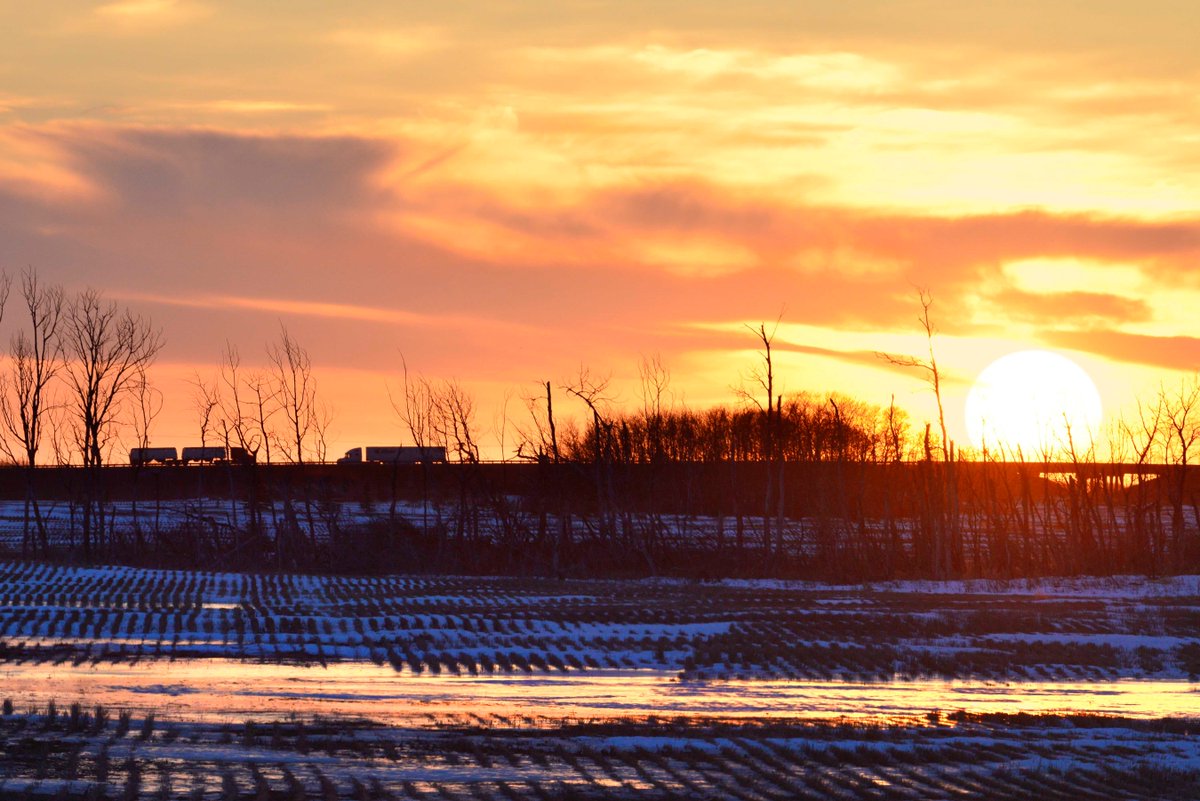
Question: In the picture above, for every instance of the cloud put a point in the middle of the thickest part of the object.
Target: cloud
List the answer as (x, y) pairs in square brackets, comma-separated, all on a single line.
[(390, 235), (725, 339), (256, 107), (957, 248), (392, 43), (1172, 352), (892, 363), (36, 168), (142, 14), (167, 172), (1069, 307), (837, 264), (287, 307)]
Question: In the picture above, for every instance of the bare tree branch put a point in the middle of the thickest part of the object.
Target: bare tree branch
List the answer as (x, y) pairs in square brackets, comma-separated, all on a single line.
[(929, 365)]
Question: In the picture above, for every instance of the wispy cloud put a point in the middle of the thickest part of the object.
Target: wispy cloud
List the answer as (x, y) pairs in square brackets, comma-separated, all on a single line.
[(289, 307), (283, 306), (391, 43), (1172, 352), (254, 107), (150, 13), (1070, 307)]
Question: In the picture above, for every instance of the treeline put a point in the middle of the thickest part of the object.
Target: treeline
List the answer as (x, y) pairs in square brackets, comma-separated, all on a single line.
[(844, 521), (783, 485), (805, 428)]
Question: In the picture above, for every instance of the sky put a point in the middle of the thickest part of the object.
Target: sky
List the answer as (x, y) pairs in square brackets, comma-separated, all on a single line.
[(504, 192)]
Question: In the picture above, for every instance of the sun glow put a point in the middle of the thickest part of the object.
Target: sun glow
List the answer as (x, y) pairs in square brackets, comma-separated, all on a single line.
[(1033, 404)]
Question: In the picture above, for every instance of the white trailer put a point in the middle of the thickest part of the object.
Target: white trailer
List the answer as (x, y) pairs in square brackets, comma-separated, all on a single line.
[(216, 453)]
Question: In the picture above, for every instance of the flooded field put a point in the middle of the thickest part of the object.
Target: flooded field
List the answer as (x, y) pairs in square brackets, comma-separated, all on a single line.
[(228, 690), (127, 683)]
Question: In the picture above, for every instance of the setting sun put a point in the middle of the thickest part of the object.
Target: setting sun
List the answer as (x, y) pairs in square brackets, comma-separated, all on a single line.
[(1032, 403)]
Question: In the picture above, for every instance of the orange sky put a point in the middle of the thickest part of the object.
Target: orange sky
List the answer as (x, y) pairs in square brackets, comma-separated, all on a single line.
[(504, 192)]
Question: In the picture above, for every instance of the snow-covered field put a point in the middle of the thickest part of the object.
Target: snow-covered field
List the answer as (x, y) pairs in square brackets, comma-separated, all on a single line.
[(1080, 629), (81, 753), (484, 687)]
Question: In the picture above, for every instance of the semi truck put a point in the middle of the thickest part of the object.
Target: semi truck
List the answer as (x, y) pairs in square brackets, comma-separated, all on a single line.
[(393, 454), (208, 454)]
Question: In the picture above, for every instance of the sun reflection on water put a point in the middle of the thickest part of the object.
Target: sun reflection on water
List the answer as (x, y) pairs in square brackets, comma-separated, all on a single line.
[(222, 689)]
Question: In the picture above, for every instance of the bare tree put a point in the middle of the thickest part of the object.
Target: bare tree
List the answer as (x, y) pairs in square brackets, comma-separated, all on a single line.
[(106, 348), (146, 406), (206, 400), (219, 405), (438, 414), (453, 421), (1181, 417), (945, 529), (539, 440), (263, 408), (296, 398), (1143, 437), (441, 415), (6, 287), (772, 414), (36, 360), (594, 392), (500, 423), (1144, 434), (58, 429), (929, 366), (894, 434), (239, 404), (246, 403), (655, 391), (655, 394), (415, 407)]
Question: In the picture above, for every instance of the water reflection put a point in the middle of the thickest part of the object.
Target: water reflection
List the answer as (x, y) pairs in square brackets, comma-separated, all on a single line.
[(220, 689)]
